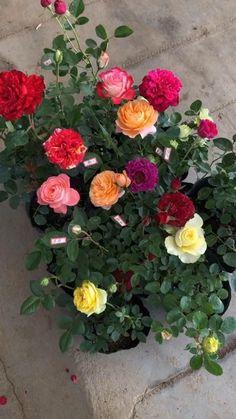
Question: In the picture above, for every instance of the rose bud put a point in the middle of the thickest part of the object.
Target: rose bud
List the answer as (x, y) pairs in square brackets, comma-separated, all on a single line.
[(176, 184), (76, 229), (151, 257), (46, 3), (103, 60), (58, 56), (60, 7), (146, 221)]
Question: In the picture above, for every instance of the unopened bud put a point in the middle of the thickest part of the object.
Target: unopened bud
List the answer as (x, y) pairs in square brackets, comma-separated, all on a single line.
[(185, 131), (44, 282), (113, 288), (58, 56), (76, 229), (166, 335), (103, 60), (46, 3), (60, 7), (174, 143)]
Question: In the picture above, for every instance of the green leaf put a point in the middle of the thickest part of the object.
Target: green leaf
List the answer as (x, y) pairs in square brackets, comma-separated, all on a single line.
[(82, 20), (196, 106), (185, 303), (33, 260), (101, 32), (175, 117), (228, 159), (230, 259), (78, 327), (14, 201), (72, 250), (192, 333), (228, 325), (64, 322), (223, 144), (66, 341), (212, 366), (152, 287), (122, 32), (216, 303), (30, 305), (36, 288), (17, 139), (76, 7), (3, 196), (10, 186), (173, 315), (48, 302), (165, 286), (196, 362), (200, 320), (204, 193), (40, 219), (80, 217)]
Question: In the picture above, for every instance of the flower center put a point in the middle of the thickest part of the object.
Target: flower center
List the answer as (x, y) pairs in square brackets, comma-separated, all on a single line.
[(139, 177)]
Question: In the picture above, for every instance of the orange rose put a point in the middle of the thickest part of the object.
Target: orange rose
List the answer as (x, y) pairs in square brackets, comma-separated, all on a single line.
[(136, 117), (123, 180), (105, 189)]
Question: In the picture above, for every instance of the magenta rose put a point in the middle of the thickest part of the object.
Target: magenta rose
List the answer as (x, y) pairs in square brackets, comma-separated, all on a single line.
[(207, 129), (116, 84), (161, 88), (57, 193), (143, 175)]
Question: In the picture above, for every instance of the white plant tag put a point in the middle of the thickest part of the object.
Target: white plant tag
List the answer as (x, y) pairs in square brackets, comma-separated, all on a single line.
[(119, 220), (90, 162), (58, 240)]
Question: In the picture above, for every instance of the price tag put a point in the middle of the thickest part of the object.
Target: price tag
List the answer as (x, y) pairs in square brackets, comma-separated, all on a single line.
[(167, 153), (58, 240), (119, 220), (159, 151), (90, 162)]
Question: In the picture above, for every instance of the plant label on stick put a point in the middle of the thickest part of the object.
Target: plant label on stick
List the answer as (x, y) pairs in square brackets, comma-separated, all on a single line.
[(159, 151), (90, 162), (167, 153), (58, 240), (119, 220)]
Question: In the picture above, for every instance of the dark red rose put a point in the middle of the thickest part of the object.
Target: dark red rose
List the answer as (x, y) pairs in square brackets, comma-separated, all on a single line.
[(19, 94), (176, 184), (175, 209), (124, 278), (3, 400), (207, 129)]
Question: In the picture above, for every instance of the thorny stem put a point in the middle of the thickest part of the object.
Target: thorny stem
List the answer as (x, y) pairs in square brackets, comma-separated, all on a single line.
[(93, 241), (186, 155)]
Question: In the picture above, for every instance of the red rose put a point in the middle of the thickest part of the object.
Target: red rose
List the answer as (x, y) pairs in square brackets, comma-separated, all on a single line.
[(124, 278), (19, 94), (161, 88), (176, 184), (175, 209), (65, 148), (35, 88), (207, 129)]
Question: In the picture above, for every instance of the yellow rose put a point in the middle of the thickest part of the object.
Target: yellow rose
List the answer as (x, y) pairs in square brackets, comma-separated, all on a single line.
[(210, 344), (188, 242), (89, 299), (166, 335)]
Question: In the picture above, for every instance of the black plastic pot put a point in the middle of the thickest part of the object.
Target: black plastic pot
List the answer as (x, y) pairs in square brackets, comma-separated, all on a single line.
[(193, 193), (213, 258)]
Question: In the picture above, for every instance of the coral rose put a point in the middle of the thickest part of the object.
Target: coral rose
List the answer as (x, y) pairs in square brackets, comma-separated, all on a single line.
[(136, 118), (207, 129), (188, 242), (89, 299), (57, 193), (161, 88), (65, 148), (19, 94), (105, 189), (115, 84)]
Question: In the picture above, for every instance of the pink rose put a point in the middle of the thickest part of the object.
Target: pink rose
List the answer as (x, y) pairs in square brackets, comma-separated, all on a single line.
[(161, 88), (60, 7), (116, 84), (57, 193), (207, 129), (46, 3)]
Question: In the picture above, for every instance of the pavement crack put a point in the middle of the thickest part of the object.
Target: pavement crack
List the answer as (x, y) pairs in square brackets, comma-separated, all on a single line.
[(173, 379), (13, 388)]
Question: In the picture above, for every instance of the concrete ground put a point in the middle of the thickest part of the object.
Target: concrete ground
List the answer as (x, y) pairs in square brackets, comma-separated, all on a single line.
[(195, 39)]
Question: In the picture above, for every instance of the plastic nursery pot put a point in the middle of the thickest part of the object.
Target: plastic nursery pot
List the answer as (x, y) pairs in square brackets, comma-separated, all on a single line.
[(193, 193), (213, 258), (125, 342)]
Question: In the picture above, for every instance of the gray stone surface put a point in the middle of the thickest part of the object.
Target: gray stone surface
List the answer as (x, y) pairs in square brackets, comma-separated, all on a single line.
[(196, 40)]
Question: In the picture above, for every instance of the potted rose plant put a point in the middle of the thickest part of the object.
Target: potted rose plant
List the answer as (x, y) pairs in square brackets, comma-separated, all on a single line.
[(104, 179)]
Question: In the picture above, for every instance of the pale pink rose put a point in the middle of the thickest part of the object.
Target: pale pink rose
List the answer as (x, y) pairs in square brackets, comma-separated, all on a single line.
[(57, 193), (103, 60), (116, 84)]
